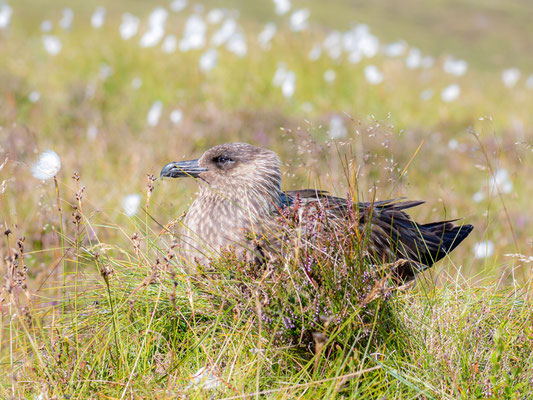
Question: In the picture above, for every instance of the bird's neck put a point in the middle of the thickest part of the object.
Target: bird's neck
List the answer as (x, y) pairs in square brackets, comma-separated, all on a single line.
[(256, 202)]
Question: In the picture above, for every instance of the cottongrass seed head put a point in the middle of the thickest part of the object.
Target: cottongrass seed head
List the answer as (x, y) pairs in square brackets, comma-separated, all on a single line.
[(47, 166)]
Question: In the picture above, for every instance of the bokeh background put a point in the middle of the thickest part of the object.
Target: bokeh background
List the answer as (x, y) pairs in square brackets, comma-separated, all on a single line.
[(424, 99)]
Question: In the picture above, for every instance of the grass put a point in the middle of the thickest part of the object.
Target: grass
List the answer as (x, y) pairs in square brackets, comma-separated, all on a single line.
[(95, 304)]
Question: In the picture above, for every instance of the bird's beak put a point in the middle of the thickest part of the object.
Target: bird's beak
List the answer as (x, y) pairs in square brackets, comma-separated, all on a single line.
[(180, 169)]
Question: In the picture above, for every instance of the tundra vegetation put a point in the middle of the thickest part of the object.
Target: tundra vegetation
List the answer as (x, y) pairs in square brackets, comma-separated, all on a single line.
[(426, 101)]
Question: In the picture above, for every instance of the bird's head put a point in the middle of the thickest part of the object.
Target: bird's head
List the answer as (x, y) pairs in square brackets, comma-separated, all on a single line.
[(233, 170)]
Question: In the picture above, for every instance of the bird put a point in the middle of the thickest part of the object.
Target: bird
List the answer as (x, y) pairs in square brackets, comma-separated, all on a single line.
[(241, 205)]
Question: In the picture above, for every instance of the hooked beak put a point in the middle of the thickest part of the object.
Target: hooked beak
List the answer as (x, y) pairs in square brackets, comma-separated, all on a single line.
[(180, 169)]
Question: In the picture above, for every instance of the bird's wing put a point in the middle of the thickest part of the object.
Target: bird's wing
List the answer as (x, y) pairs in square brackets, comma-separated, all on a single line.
[(390, 233)]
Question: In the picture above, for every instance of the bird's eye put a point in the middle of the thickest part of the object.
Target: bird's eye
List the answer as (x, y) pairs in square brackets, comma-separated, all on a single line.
[(223, 161)]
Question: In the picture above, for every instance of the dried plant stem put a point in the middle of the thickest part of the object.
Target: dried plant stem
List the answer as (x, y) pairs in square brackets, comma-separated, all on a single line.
[(62, 240)]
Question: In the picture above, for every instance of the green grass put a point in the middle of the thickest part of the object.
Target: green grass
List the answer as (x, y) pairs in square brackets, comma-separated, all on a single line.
[(88, 310)]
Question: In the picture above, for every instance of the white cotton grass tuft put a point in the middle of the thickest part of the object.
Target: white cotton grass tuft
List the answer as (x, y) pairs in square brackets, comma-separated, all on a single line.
[(154, 113), (373, 75), (34, 96), (501, 181), (98, 17), (455, 67), (450, 93), (208, 60), (194, 34), (414, 58), (337, 129), (395, 49), (129, 26), (266, 35), (46, 25), (510, 77), (529, 82), (285, 79), (169, 44), (176, 116), (426, 95), (178, 5), (237, 44), (282, 6), (156, 28), (330, 76), (136, 83), (131, 204), (204, 379), (52, 44), (66, 18), (299, 20), (215, 16), (47, 166), (223, 34), (5, 15), (484, 249)]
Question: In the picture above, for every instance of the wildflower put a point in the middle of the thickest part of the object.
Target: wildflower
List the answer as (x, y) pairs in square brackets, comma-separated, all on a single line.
[(46, 25), (484, 249), (501, 181), (47, 166), (156, 28), (359, 39), (136, 83), (131, 203), (169, 44), (450, 93), (427, 62), (105, 71), (315, 53), (129, 26), (478, 196), (66, 18), (92, 132), (178, 5), (237, 44), (98, 17), (455, 67), (285, 79), (298, 20), (426, 95), (510, 77), (154, 113), (5, 15), (395, 49), (266, 35), (52, 44), (373, 75), (34, 96), (330, 76), (194, 34), (208, 60), (289, 84), (529, 82), (205, 379), (453, 144), (215, 16), (176, 116), (337, 130), (282, 6), (332, 44), (223, 34), (414, 58)]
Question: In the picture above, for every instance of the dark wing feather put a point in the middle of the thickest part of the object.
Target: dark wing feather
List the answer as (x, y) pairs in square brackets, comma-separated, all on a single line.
[(392, 234)]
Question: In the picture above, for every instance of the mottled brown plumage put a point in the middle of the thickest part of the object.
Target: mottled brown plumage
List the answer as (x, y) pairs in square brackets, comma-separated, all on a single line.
[(241, 204)]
